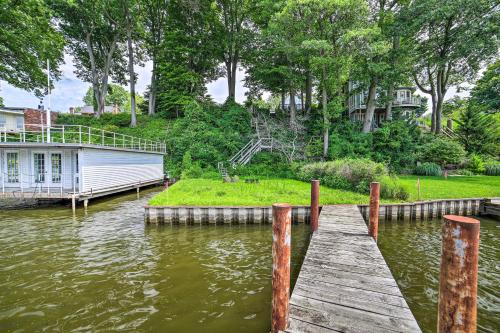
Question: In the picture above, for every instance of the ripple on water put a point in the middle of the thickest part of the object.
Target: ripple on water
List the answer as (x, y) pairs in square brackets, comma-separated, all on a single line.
[(108, 271)]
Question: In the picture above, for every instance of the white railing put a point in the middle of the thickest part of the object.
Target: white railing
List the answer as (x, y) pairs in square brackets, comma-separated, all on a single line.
[(39, 183), (82, 135), (413, 100)]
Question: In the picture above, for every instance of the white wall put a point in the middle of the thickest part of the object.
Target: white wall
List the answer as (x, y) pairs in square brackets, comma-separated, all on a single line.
[(102, 169), (10, 121)]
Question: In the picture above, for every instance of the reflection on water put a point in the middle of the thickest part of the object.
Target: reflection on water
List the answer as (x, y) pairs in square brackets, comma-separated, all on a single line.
[(108, 271), (413, 250)]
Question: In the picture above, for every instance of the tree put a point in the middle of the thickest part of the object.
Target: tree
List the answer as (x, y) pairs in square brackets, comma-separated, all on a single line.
[(154, 14), (486, 92), (233, 18), (27, 41), (116, 96), (321, 27), (94, 30), (188, 56), (451, 41), (478, 131)]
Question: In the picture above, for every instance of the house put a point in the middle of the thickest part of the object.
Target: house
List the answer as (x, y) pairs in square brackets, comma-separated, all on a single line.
[(11, 119), (75, 162), (404, 99), (88, 110)]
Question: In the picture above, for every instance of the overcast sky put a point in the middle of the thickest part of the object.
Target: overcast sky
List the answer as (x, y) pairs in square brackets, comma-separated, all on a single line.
[(69, 90)]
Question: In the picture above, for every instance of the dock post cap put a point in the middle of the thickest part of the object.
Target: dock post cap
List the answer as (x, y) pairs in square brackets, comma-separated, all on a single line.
[(461, 219), (281, 205)]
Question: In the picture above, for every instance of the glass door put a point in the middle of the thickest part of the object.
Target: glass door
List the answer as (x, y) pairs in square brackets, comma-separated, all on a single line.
[(39, 167), (56, 168)]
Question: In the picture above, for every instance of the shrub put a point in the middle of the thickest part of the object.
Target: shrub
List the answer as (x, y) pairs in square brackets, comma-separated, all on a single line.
[(442, 151), (355, 175), (390, 188), (428, 169), (476, 164), (461, 172), (492, 169)]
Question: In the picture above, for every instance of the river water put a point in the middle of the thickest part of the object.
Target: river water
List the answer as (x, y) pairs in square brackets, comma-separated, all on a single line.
[(107, 270), (413, 249)]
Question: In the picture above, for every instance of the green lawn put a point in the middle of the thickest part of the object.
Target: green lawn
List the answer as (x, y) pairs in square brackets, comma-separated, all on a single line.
[(453, 187), (210, 192)]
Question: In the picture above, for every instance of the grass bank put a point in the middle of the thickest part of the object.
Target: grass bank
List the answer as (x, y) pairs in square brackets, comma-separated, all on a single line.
[(211, 192), (453, 187)]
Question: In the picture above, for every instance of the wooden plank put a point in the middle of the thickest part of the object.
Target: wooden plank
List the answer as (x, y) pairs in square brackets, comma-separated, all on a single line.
[(344, 284)]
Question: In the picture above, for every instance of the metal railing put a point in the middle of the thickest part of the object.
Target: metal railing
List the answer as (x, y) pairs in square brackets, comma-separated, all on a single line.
[(82, 135)]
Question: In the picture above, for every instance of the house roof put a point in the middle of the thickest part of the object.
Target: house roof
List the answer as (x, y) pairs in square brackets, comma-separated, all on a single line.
[(10, 110)]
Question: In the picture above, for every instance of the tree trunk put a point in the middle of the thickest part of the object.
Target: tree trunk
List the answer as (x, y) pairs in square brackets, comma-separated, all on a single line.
[(152, 90), (439, 101), (388, 107), (133, 117), (308, 91), (231, 68), (370, 106), (302, 108), (326, 121), (283, 97), (293, 109)]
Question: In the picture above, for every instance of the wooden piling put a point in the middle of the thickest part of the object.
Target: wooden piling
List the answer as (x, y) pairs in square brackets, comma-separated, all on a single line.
[(314, 205), (282, 221), (457, 306), (374, 209), (73, 203)]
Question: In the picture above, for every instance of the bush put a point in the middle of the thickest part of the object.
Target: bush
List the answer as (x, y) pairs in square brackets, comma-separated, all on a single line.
[(476, 164), (492, 169), (352, 174), (265, 164), (428, 169), (461, 172), (390, 188), (442, 152)]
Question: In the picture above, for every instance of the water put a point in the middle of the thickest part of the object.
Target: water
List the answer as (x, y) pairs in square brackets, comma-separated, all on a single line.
[(108, 271), (413, 250)]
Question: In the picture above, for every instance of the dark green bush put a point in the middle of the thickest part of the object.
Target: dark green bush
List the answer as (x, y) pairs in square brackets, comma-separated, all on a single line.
[(265, 164), (390, 188), (428, 169), (476, 164), (442, 152)]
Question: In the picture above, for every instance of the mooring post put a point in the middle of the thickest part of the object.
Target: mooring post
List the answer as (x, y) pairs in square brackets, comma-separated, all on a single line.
[(282, 224), (73, 203), (314, 204), (457, 306), (374, 208), (85, 203)]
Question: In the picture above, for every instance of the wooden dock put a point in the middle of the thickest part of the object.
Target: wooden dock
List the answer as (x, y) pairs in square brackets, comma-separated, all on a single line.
[(345, 284)]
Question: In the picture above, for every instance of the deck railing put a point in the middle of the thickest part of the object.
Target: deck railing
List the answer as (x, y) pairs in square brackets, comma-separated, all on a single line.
[(79, 134), (22, 182)]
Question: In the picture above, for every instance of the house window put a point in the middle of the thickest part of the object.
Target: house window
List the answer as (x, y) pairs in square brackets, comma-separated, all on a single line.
[(3, 120), (12, 167), (20, 123), (56, 163), (39, 167)]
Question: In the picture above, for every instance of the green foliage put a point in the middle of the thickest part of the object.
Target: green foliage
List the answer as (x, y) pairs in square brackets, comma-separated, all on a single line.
[(478, 132), (351, 174), (117, 95), (476, 164), (492, 168), (27, 41), (266, 165), (486, 92), (442, 152), (347, 141), (428, 169), (391, 187)]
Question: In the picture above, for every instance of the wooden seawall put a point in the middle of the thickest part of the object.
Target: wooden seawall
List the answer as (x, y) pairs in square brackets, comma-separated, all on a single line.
[(345, 284)]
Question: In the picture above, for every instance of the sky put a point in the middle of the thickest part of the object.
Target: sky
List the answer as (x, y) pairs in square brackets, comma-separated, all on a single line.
[(69, 90)]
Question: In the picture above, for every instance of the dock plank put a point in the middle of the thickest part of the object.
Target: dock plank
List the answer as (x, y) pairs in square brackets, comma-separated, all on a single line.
[(344, 284)]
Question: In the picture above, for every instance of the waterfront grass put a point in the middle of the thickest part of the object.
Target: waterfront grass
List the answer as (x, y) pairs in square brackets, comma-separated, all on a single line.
[(453, 187), (213, 192)]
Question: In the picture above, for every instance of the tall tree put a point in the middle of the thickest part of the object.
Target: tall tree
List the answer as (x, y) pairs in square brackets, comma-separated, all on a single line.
[(452, 40), (154, 13), (486, 92), (234, 24), (321, 27), (94, 31), (27, 41)]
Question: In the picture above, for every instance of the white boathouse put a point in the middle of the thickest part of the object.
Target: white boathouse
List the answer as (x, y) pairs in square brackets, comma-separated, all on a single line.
[(75, 162)]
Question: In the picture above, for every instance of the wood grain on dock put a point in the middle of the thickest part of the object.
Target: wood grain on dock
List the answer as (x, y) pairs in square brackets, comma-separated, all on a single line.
[(345, 284)]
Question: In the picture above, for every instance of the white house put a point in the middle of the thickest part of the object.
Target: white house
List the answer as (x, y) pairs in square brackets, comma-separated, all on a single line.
[(11, 119), (76, 162)]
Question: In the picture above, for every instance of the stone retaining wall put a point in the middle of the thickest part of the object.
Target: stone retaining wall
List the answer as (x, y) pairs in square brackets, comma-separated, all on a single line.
[(218, 215), (425, 210)]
